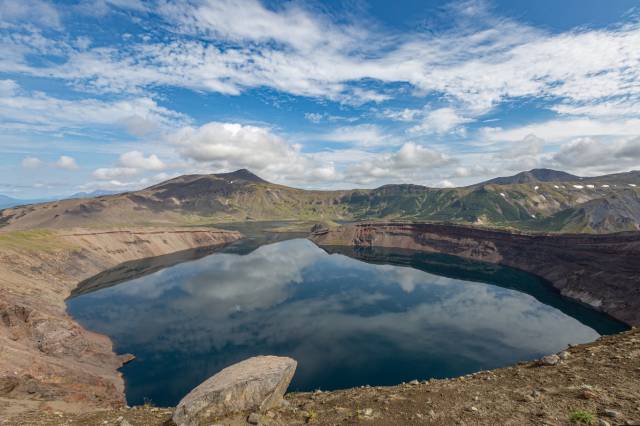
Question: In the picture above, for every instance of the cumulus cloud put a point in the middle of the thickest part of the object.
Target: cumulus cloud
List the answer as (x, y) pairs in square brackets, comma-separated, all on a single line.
[(31, 162), (599, 153), (404, 164), (137, 160), (130, 163), (231, 145), (441, 121), (67, 163)]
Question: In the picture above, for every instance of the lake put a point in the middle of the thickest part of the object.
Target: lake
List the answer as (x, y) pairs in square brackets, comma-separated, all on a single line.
[(349, 318)]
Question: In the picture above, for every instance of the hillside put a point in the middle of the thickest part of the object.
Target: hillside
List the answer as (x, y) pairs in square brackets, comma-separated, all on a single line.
[(538, 200), (534, 176)]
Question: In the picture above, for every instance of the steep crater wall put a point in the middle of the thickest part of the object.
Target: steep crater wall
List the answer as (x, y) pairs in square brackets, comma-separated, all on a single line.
[(602, 271), (46, 358)]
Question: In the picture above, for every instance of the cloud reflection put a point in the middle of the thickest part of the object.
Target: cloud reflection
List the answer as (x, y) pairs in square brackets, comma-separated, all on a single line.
[(347, 322)]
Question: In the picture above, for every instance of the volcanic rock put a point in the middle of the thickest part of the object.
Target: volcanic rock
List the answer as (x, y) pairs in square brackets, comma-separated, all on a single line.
[(255, 384)]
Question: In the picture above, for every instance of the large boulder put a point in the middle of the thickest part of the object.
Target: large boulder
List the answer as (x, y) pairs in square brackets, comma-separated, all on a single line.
[(255, 384)]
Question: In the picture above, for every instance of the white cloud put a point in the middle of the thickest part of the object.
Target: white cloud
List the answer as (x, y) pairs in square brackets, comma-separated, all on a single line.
[(599, 153), (130, 163), (109, 173), (446, 184), (67, 163), (31, 163), (406, 114), (231, 145), (441, 121), (559, 130), (37, 12), (314, 117), (137, 160), (38, 111), (366, 135), (409, 162), (8, 87), (479, 63)]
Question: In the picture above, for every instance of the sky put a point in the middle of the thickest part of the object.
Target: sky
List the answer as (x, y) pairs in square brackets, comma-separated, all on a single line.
[(122, 94)]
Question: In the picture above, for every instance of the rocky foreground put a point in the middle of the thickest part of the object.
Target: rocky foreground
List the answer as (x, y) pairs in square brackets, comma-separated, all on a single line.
[(596, 383)]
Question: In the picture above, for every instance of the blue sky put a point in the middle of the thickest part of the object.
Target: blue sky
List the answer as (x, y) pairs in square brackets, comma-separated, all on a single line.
[(118, 95)]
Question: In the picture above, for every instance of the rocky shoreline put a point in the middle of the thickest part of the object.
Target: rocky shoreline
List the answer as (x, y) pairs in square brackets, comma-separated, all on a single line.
[(47, 360), (602, 271), (598, 381)]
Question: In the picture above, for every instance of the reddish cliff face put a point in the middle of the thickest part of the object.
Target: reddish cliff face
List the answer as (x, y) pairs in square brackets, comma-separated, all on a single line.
[(600, 270)]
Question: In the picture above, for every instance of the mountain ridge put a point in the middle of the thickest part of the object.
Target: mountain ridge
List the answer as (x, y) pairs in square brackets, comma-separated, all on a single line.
[(540, 200)]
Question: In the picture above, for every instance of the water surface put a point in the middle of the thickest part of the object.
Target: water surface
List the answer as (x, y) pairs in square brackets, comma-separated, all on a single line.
[(397, 317)]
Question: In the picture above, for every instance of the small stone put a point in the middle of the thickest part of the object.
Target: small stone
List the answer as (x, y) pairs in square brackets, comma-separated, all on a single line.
[(414, 382), (549, 360), (589, 394), (473, 409), (418, 415), (603, 422), (254, 418), (432, 413), (611, 413), (564, 355)]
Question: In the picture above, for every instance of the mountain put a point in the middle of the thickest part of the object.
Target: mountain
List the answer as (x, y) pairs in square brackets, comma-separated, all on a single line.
[(534, 176), (6, 202), (92, 194), (538, 200)]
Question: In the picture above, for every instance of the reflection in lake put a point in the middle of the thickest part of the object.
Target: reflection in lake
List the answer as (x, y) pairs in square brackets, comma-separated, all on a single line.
[(347, 322)]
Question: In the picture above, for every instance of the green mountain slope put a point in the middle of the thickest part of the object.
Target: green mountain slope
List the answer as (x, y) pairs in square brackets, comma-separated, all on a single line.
[(541, 200)]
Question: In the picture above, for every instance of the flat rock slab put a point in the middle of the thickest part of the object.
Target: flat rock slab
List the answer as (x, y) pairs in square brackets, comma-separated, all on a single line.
[(255, 384)]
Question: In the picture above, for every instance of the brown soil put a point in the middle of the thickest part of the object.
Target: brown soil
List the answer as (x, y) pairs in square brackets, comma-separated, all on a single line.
[(601, 379)]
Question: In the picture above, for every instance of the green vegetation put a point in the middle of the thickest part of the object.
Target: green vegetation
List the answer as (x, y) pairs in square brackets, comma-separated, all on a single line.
[(582, 417), (35, 239), (519, 202)]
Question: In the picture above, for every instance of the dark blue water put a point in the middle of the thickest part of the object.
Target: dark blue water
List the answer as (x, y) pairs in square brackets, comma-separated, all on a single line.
[(397, 317)]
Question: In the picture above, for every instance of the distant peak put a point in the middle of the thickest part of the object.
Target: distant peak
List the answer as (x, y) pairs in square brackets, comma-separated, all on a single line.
[(533, 176), (242, 174)]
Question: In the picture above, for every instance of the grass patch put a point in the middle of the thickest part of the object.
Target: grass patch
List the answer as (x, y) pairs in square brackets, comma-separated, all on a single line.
[(582, 417), (34, 239)]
